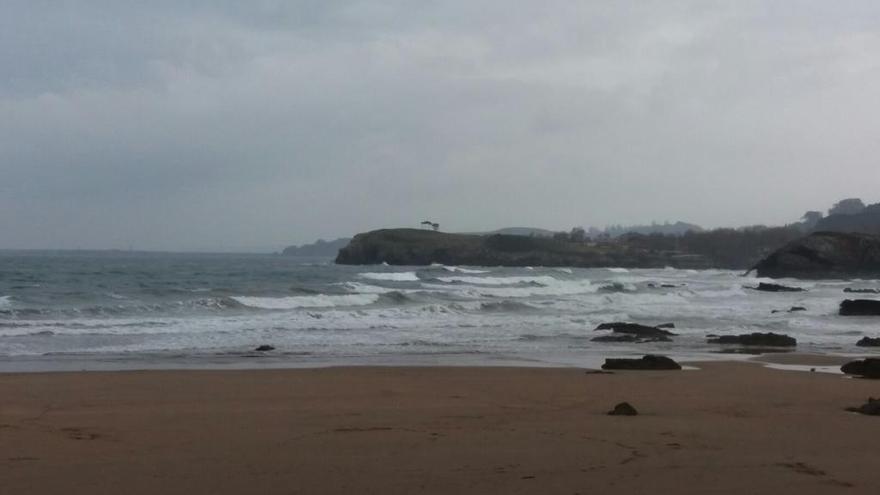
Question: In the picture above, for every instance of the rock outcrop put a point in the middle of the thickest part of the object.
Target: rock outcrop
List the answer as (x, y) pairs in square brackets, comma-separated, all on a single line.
[(860, 307), (649, 362), (756, 339), (869, 342), (825, 255), (866, 368)]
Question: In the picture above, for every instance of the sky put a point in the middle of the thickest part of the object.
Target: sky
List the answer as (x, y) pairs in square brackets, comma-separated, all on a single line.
[(228, 125)]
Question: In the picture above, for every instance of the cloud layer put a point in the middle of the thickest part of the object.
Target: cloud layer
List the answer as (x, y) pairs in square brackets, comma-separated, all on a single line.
[(231, 125)]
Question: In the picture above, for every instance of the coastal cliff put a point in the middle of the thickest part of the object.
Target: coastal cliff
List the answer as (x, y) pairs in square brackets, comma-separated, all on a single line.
[(423, 247), (825, 255)]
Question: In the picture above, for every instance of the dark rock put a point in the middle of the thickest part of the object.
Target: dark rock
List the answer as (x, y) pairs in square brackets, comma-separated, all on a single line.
[(648, 362), (793, 309), (860, 307), (670, 286), (869, 342), (757, 339), (264, 348), (623, 409), (666, 325), (634, 329), (861, 291), (630, 338), (825, 255), (871, 408), (867, 368), (765, 287)]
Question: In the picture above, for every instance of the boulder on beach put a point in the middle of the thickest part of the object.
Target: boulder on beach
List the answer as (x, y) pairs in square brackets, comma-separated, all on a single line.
[(623, 409), (869, 342), (793, 309), (765, 287), (860, 307), (871, 408), (756, 339), (648, 362), (866, 368), (635, 329)]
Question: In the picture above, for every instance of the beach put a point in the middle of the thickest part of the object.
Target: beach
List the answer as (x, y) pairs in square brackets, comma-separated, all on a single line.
[(726, 427)]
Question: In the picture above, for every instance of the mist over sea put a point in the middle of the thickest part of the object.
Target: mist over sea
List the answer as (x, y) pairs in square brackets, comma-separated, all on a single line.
[(108, 310)]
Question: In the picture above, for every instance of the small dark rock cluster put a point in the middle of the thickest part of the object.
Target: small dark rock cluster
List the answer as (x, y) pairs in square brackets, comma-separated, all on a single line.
[(765, 287), (860, 307), (865, 368), (756, 339), (648, 362), (264, 348), (871, 407), (634, 332), (793, 309), (623, 409)]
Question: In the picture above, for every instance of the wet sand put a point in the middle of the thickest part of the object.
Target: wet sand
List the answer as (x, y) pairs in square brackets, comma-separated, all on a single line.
[(727, 428)]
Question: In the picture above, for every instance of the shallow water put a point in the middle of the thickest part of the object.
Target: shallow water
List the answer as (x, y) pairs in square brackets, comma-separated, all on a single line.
[(132, 310)]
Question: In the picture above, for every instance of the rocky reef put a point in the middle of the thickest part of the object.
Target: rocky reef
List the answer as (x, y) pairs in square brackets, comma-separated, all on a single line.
[(825, 255), (423, 247)]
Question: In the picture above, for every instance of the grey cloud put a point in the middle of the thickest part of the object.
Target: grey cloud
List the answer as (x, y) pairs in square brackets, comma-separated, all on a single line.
[(187, 125)]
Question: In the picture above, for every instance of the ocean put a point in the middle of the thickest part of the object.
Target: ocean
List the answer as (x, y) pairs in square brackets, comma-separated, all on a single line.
[(131, 310)]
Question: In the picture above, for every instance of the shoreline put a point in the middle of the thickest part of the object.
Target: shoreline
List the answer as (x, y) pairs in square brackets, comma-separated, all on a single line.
[(731, 427)]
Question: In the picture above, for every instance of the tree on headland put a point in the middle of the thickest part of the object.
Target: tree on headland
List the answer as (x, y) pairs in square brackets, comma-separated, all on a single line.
[(810, 219), (433, 225), (849, 206)]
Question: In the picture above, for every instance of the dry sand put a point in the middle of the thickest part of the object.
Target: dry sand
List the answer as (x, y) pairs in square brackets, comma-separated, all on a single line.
[(727, 428)]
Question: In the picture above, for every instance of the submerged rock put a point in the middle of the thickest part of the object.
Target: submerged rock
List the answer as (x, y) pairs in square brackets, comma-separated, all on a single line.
[(630, 338), (264, 348), (871, 408), (869, 342), (867, 368), (765, 287), (648, 362), (860, 307), (861, 291), (793, 309), (623, 409), (634, 329), (756, 339)]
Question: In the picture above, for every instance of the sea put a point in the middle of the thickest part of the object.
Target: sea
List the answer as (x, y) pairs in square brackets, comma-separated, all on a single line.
[(80, 310)]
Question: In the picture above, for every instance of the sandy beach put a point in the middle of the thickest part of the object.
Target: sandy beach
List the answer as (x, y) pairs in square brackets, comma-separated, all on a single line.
[(725, 428)]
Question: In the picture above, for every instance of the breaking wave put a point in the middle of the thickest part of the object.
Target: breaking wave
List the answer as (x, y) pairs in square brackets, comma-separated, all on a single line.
[(317, 301), (392, 276)]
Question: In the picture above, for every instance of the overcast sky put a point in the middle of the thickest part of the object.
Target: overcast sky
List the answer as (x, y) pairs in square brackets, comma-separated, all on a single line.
[(230, 125)]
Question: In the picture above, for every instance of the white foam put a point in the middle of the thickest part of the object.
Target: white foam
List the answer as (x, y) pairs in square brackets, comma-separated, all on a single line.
[(456, 269), (543, 280), (317, 301), (5, 301), (565, 270), (392, 276), (618, 270)]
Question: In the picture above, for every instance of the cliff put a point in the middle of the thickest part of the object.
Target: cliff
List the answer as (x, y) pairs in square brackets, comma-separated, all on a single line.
[(423, 247), (825, 255)]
